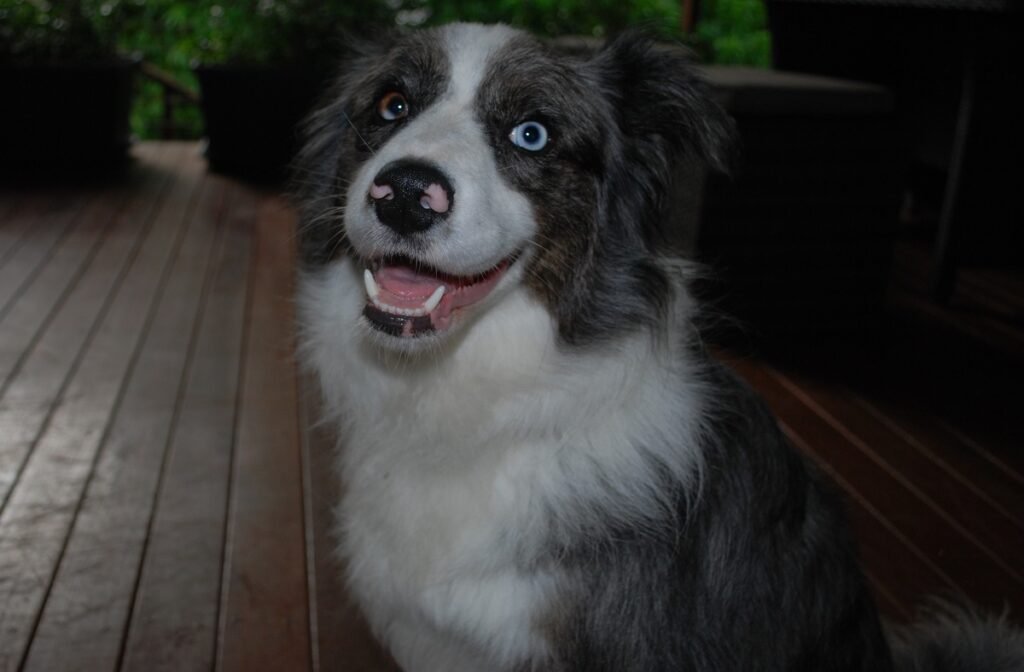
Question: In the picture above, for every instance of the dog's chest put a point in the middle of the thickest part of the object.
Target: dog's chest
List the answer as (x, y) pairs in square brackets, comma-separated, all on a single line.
[(432, 543), (437, 505)]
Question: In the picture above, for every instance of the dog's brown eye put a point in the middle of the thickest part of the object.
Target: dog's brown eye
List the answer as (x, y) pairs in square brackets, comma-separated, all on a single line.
[(392, 106)]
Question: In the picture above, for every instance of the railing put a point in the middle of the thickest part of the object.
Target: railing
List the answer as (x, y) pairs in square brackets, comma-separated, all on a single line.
[(175, 93)]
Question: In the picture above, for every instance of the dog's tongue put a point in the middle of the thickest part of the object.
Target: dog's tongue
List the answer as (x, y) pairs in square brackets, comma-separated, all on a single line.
[(405, 287)]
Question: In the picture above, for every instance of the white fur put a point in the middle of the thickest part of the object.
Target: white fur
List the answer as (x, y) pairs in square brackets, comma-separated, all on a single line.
[(452, 462), (466, 460)]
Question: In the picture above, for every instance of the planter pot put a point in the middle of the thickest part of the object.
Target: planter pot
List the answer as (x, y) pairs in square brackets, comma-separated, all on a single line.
[(252, 115), (60, 118)]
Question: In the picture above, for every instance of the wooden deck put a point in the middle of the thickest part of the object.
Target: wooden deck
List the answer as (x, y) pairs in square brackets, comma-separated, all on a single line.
[(162, 506)]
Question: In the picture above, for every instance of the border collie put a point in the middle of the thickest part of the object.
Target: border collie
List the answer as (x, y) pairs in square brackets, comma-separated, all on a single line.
[(542, 467)]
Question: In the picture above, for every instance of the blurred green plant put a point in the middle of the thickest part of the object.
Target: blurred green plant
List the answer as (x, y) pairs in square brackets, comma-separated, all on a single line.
[(551, 17), (177, 34), (62, 31), (734, 32)]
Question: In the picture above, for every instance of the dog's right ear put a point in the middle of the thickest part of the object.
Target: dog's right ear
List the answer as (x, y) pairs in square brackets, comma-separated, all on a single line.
[(663, 103), (665, 114), (319, 171)]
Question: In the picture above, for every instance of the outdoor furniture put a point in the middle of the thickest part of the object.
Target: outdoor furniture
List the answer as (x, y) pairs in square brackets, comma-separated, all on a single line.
[(952, 66)]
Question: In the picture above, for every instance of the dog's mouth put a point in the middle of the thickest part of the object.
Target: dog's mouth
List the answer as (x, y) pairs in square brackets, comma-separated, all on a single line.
[(406, 298)]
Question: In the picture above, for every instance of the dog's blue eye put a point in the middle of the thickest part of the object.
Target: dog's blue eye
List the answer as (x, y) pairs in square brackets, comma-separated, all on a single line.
[(530, 136), (392, 106)]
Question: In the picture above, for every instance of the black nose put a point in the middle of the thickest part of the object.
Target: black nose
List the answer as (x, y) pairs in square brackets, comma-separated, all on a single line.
[(410, 196)]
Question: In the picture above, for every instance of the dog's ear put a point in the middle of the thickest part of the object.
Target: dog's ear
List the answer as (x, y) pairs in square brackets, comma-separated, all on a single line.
[(665, 115), (662, 103)]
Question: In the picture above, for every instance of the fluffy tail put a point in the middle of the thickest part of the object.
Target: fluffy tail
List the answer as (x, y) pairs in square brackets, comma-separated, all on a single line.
[(952, 638)]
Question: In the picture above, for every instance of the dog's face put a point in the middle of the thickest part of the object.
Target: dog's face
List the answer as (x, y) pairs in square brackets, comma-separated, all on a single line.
[(456, 163)]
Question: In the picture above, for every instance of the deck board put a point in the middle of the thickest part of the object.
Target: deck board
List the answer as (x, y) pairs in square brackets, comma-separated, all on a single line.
[(39, 374), (342, 634), (27, 256), (167, 495), (94, 586), (22, 320), (994, 485), (927, 528), (949, 499), (46, 499), (174, 620), (265, 617)]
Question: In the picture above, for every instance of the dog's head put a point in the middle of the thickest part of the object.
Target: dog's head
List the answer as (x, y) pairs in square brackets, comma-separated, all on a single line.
[(456, 163)]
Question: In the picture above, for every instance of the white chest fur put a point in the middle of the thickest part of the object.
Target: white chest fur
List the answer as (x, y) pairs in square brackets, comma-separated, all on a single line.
[(452, 464)]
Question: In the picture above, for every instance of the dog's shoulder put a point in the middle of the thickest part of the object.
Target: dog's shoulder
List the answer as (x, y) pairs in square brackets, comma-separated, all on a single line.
[(758, 545)]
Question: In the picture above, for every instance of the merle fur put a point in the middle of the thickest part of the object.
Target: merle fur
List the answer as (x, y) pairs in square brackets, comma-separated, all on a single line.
[(601, 183), (617, 120), (757, 574)]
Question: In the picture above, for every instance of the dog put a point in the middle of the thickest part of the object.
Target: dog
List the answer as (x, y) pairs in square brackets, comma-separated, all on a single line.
[(543, 468)]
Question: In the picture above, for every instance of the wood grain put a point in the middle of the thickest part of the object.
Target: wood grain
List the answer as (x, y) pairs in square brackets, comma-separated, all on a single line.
[(48, 363), (27, 315), (94, 585), (925, 534), (174, 619), (264, 617), (343, 639), (44, 504)]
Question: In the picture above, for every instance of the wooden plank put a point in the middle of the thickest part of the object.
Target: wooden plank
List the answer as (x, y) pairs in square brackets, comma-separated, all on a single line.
[(264, 617), (174, 618), (44, 503), (50, 220), (971, 571), (47, 367), (949, 399), (342, 636), (990, 333), (963, 506), (1005, 283), (10, 200), (14, 224), (26, 318), (997, 486), (89, 601), (1007, 461)]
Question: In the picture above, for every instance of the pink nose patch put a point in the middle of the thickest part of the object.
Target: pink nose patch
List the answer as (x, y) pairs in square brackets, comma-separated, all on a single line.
[(435, 198), (381, 191)]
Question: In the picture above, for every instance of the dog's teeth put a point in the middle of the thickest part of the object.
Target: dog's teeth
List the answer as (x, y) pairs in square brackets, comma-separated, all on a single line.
[(371, 285), (434, 299)]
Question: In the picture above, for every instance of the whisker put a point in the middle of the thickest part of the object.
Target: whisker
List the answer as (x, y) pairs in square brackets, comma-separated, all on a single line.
[(358, 134)]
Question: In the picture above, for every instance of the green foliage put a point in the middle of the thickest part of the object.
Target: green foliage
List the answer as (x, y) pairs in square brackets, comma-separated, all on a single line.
[(41, 31), (280, 31), (166, 33), (177, 34), (734, 32), (551, 17)]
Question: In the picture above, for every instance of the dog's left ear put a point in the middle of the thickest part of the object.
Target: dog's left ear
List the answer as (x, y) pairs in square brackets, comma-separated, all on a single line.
[(663, 105)]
